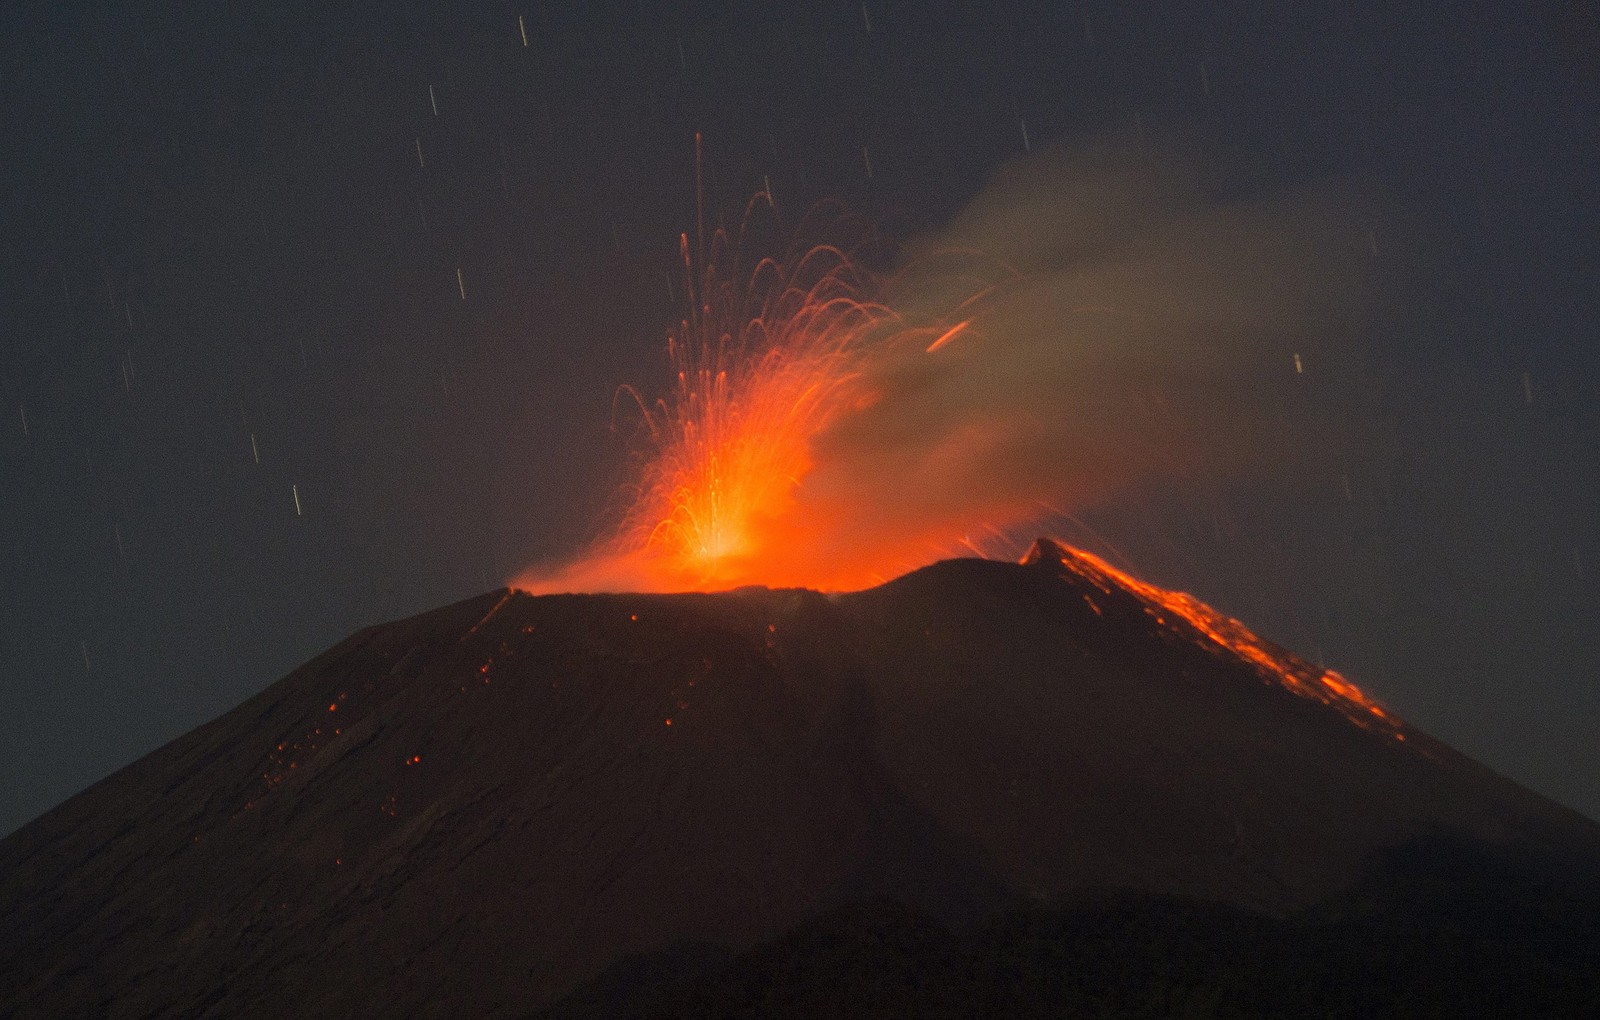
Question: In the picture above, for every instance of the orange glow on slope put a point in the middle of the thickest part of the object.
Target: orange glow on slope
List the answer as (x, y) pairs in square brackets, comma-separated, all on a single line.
[(1189, 616)]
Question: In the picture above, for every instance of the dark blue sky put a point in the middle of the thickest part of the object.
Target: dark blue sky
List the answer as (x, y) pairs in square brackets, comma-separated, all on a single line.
[(230, 282)]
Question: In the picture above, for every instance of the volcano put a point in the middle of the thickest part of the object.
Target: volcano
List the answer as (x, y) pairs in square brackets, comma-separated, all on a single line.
[(566, 802)]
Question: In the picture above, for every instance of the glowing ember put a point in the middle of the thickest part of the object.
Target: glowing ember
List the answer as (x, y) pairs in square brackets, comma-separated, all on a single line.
[(1187, 614)]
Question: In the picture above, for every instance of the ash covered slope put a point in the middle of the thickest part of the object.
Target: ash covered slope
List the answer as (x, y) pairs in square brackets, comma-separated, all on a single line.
[(491, 803)]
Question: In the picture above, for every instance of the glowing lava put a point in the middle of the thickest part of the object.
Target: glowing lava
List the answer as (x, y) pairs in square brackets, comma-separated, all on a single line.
[(763, 364), (1196, 621), (754, 386)]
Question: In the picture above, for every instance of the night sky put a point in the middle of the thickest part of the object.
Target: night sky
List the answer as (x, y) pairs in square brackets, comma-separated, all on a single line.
[(313, 318)]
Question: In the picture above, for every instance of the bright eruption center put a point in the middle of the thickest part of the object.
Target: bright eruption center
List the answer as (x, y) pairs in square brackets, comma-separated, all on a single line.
[(759, 374), (763, 365)]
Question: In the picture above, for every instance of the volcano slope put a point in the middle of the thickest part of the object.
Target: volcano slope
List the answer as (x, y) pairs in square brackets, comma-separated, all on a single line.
[(515, 802)]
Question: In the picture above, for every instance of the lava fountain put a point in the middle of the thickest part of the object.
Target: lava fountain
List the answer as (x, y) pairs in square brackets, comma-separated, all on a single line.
[(765, 361)]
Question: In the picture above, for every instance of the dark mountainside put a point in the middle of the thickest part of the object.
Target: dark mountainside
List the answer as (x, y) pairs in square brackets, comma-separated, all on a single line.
[(982, 786)]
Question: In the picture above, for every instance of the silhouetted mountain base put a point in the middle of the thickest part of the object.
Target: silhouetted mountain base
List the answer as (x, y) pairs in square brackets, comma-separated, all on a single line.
[(1443, 927), (479, 810)]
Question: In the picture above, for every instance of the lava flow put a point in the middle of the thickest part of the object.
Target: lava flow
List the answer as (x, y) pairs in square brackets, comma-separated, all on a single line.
[(1199, 622)]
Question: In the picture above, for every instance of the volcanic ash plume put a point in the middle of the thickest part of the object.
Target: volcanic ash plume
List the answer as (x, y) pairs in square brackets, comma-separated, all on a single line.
[(1112, 317)]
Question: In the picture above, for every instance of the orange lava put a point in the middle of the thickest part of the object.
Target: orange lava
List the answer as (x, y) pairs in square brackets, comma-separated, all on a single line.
[(734, 441), (1188, 615)]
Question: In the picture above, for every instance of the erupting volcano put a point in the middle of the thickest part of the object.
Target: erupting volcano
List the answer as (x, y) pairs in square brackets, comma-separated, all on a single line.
[(1013, 784), (1040, 514)]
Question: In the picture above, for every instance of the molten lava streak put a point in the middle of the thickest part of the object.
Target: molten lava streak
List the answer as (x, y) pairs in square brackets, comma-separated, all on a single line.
[(1198, 622)]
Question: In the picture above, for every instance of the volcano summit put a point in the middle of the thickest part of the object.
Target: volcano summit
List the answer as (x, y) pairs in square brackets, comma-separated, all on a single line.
[(616, 803)]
